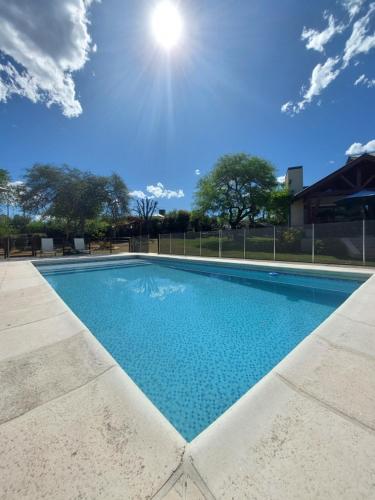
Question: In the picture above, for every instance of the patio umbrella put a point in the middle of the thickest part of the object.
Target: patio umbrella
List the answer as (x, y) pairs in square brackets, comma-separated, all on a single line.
[(362, 197)]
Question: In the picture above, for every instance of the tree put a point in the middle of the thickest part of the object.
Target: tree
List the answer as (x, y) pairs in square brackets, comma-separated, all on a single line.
[(64, 193), (177, 221), (236, 189), (202, 222), (278, 206), (145, 209), (4, 183), (117, 198)]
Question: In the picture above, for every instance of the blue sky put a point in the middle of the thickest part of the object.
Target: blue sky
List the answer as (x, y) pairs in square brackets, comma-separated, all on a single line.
[(291, 81)]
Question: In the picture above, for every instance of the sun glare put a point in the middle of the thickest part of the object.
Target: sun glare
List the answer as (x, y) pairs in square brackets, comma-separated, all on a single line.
[(166, 24)]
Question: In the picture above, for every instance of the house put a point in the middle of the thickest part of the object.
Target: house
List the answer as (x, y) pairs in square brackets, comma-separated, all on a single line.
[(346, 194)]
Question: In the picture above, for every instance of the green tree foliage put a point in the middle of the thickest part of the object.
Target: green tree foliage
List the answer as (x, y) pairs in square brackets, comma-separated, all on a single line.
[(72, 196), (236, 189), (278, 206), (200, 221), (177, 221), (4, 180), (117, 198)]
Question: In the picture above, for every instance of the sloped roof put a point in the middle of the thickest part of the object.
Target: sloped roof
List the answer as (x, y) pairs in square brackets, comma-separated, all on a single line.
[(349, 165)]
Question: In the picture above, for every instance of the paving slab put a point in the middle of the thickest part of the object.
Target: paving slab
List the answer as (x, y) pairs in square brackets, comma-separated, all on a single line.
[(278, 444), (339, 378), (185, 489), (103, 440), (32, 379), (26, 338), (345, 332), (25, 297), (32, 313)]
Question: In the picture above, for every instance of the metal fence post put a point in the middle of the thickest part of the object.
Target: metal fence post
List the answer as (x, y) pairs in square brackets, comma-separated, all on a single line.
[(244, 243), (364, 242), (184, 243), (200, 243), (219, 243), (274, 242), (158, 243), (313, 243), (170, 243)]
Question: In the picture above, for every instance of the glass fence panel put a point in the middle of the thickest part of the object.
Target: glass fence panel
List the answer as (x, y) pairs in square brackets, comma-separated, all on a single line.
[(120, 245), (339, 242), (293, 244), (192, 244), (177, 244), (99, 247), (153, 245), (232, 243), (210, 244), (20, 246), (370, 242), (259, 243), (165, 243)]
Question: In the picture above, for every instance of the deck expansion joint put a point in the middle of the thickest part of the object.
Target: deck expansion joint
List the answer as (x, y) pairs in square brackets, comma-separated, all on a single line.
[(324, 404)]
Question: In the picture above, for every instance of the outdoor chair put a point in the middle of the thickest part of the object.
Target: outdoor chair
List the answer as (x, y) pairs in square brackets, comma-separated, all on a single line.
[(79, 246), (47, 246)]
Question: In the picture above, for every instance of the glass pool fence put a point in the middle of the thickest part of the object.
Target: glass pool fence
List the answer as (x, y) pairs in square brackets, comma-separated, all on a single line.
[(351, 243)]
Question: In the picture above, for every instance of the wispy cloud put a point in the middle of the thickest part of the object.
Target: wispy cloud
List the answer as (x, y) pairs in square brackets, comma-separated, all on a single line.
[(316, 40), (353, 7), (44, 43), (359, 149), (367, 82), (323, 74), (158, 191), (197, 172)]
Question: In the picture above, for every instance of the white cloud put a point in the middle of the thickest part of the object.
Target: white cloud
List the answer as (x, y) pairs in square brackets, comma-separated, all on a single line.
[(353, 6), (197, 172), (316, 40), (45, 43), (322, 75), (359, 149), (137, 194), (359, 41), (360, 79), (159, 191), (281, 179), (363, 80)]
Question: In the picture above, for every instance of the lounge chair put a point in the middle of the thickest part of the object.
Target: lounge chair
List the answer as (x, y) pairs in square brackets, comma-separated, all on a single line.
[(47, 246), (79, 246)]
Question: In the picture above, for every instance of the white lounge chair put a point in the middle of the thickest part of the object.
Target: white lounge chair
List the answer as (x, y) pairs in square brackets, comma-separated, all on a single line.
[(79, 246), (47, 246)]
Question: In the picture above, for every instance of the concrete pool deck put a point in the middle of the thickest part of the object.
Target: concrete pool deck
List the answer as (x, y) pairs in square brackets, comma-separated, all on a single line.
[(74, 425)]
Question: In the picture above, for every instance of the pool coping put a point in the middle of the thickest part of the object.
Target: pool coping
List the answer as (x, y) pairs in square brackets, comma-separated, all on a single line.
[(324, 387)]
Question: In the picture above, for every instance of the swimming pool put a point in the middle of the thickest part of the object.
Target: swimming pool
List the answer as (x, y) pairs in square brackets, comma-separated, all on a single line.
[(195, 337)]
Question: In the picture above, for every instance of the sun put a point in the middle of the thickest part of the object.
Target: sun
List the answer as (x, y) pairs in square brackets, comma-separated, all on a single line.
[(167, 24)]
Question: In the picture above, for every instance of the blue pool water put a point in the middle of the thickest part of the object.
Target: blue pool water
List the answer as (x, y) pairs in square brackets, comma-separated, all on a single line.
[(195, 337)]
